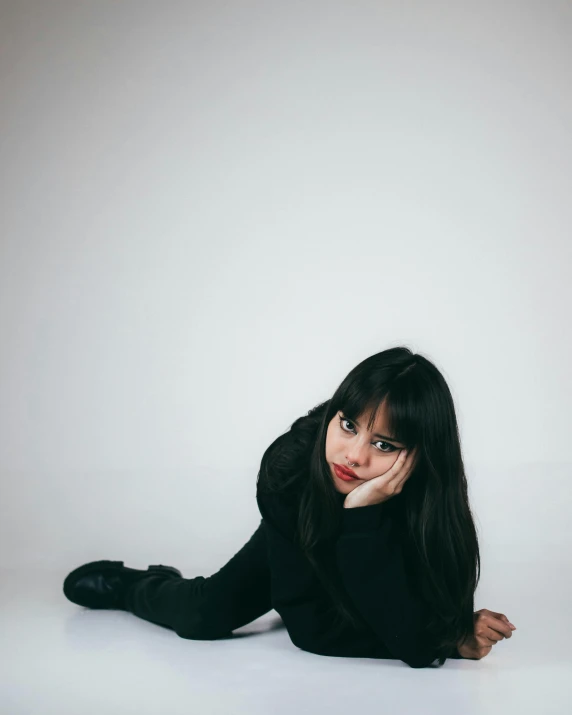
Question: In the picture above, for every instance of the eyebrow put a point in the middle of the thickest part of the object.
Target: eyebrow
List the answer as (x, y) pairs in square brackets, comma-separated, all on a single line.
[(382, 436)]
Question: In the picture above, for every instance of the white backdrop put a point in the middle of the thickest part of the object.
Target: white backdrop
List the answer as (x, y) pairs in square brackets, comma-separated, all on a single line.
[(212, 211)]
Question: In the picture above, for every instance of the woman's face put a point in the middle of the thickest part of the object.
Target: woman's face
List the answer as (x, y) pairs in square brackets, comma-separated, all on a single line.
[(372, 453)]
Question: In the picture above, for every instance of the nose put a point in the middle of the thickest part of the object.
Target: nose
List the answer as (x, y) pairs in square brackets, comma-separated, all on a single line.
[(357, 455)]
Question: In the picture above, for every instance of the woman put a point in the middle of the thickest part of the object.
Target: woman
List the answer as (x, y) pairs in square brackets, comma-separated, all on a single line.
[(366, 546)]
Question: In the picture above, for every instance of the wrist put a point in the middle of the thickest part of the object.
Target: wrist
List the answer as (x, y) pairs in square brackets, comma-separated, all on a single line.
[(349, 504)]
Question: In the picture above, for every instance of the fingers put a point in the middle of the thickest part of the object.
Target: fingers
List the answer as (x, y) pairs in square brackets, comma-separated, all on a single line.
[(404, 464), (494, 614), (501, 615), (398, 473), (501, 627), (410, 459), (490, 635), (491, 627)]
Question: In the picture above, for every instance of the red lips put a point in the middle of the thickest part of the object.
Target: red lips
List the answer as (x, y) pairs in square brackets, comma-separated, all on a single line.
[(345, 471)]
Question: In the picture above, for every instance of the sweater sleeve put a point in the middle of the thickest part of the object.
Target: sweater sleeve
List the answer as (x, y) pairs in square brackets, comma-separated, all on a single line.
[(371, 561), (296, 593)]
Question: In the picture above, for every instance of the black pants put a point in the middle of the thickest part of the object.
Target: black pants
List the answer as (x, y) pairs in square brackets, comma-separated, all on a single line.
[(206, 608)]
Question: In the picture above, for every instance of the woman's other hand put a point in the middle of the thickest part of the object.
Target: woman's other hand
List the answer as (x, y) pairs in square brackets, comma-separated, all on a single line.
[(490, 627)]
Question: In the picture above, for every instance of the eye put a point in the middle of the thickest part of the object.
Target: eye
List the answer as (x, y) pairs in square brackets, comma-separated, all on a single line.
[(390, 447), (342, 420)]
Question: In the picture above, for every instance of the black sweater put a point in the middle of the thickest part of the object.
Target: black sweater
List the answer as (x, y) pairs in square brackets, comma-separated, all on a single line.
[(374, 570)]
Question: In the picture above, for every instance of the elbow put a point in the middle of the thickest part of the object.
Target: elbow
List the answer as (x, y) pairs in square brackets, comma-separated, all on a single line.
[(306, 641), (417, 653), (422, 660), (420, 663)]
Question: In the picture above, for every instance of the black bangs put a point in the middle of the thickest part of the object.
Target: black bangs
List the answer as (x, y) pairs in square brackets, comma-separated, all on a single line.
[(403, 415)]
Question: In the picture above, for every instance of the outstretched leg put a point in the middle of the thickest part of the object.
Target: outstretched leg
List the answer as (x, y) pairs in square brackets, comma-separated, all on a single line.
[(206, 608)]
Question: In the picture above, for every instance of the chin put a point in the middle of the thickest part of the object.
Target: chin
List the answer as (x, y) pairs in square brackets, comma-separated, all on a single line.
[(344, 488)]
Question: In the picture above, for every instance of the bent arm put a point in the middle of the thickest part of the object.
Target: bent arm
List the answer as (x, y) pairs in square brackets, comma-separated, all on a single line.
[(296, 592), (371, 561)]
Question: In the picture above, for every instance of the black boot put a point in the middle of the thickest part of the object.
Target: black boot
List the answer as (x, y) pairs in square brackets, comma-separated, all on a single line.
[(103, 584)]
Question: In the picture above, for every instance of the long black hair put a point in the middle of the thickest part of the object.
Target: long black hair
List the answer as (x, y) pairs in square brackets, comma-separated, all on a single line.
[(439, 534)]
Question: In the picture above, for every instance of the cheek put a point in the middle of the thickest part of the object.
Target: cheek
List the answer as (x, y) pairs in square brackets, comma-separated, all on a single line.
[(333, 445), (386, 461)]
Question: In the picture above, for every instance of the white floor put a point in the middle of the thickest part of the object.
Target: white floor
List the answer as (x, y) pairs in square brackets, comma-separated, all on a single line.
[(59, 658)]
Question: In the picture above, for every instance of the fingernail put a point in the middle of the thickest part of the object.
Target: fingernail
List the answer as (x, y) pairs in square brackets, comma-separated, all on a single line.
[(510, 624)]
